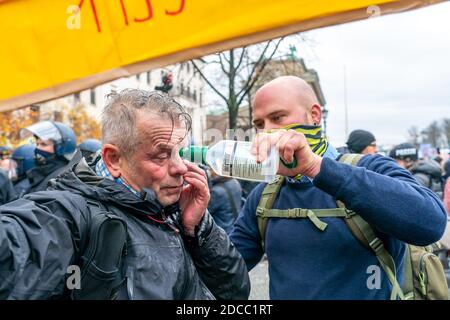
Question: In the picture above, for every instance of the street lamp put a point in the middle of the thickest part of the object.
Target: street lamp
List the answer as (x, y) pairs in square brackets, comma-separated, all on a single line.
[(324, 117)]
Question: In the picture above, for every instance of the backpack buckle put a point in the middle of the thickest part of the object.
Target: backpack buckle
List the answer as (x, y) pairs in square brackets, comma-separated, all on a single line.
[(349, 213), (260, 211), (376, 244), (275, 180)]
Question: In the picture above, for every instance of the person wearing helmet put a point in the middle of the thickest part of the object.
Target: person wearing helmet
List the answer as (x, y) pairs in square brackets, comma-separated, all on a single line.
[(55, 146), (426, 171), (24, 157), (89, 148), (5, 152)]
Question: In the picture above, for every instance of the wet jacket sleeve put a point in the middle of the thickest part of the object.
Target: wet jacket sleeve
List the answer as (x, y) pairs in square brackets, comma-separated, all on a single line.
[(219, 264), (37, 245), (386, 196), (7, 191)]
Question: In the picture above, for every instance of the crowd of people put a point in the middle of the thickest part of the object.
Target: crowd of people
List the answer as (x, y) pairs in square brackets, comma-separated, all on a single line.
[(168, 229)]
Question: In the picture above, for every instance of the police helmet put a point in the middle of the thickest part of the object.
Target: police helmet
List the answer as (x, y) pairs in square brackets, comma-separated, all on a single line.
[(63, 136), (24, 158), (89, 147)]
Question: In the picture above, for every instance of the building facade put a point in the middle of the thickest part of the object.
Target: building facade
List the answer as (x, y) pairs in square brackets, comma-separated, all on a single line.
[(188, 90), (273, 69)]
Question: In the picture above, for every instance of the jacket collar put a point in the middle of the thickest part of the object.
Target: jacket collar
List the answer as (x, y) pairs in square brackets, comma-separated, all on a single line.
[(82, 179)]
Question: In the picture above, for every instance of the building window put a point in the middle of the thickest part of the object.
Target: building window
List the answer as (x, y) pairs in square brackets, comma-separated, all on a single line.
[(194, 95), (188, 93), (148, 77), (93, 96), (76, 96), (188, 68), (181, 88), (200, 98), (138, 77)]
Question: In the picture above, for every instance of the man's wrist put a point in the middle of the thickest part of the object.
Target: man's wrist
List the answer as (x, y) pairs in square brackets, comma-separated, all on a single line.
[(314, 168)]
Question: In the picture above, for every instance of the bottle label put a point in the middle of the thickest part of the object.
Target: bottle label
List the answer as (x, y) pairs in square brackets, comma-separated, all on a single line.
[(240, 163)]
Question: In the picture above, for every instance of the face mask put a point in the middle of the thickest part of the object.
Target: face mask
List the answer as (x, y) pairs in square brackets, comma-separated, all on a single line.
[(42, 157)]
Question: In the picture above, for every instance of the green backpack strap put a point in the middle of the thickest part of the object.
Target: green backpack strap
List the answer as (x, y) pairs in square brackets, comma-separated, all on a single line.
[(366, 235), (266, 201), (408, 281), (312, 214), (350, 158), (270, 192)]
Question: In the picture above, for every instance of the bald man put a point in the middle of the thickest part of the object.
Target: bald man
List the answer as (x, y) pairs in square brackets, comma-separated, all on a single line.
[(319, 258)]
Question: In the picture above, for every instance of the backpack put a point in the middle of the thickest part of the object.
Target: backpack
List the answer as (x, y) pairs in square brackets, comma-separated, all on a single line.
[(424, 277), (101, 256)]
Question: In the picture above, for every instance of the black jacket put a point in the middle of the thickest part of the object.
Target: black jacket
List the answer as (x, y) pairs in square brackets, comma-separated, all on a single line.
[(39, 176), (7, 191), (40, 234), (429, 174)]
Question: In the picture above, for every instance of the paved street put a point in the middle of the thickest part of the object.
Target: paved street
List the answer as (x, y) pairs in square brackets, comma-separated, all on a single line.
[(260, 282)]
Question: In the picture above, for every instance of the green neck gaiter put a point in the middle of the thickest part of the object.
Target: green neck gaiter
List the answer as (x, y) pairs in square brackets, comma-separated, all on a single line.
[(313, 134), (317, 142)]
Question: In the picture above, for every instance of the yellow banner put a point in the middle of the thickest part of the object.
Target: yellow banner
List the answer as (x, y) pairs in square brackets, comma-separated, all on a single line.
[(50, 48)]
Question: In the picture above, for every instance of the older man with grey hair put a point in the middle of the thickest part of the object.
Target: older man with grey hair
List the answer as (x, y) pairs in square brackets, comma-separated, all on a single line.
[(131, 224)]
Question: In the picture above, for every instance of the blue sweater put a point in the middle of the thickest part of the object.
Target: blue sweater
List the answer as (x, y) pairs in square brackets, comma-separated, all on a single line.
[(306, 263)]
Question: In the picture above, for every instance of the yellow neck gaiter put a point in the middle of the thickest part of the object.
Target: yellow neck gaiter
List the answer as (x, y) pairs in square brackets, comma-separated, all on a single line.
[(317, 142), (313, 134)]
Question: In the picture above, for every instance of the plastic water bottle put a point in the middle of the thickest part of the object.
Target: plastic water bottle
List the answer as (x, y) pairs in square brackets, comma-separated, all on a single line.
[(233, 159)]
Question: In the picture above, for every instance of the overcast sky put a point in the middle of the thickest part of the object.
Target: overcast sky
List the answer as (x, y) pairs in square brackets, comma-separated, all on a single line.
[(397, 70)]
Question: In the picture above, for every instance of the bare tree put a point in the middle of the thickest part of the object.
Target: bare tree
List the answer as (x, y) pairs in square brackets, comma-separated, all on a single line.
[(446, 129), (233, 73), (432, 134), (414, 135)]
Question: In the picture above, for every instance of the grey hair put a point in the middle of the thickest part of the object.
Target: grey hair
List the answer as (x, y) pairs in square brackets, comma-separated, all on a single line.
[(119, 116)]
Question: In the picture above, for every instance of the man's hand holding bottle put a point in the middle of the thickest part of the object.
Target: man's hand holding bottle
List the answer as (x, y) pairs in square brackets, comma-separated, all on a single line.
[(290, 144)]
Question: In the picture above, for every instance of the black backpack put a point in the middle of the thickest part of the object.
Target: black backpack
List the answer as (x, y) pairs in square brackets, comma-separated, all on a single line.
[(101, 256)]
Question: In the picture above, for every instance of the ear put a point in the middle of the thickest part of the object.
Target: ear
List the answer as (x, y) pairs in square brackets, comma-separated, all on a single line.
[(316, 114), (112, 158)]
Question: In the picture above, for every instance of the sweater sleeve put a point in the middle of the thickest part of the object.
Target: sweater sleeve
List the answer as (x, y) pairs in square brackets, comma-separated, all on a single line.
[(386, 196)]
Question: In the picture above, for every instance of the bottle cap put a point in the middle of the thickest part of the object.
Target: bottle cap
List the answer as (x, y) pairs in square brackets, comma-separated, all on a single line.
[(291, 165), (196, 154)]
